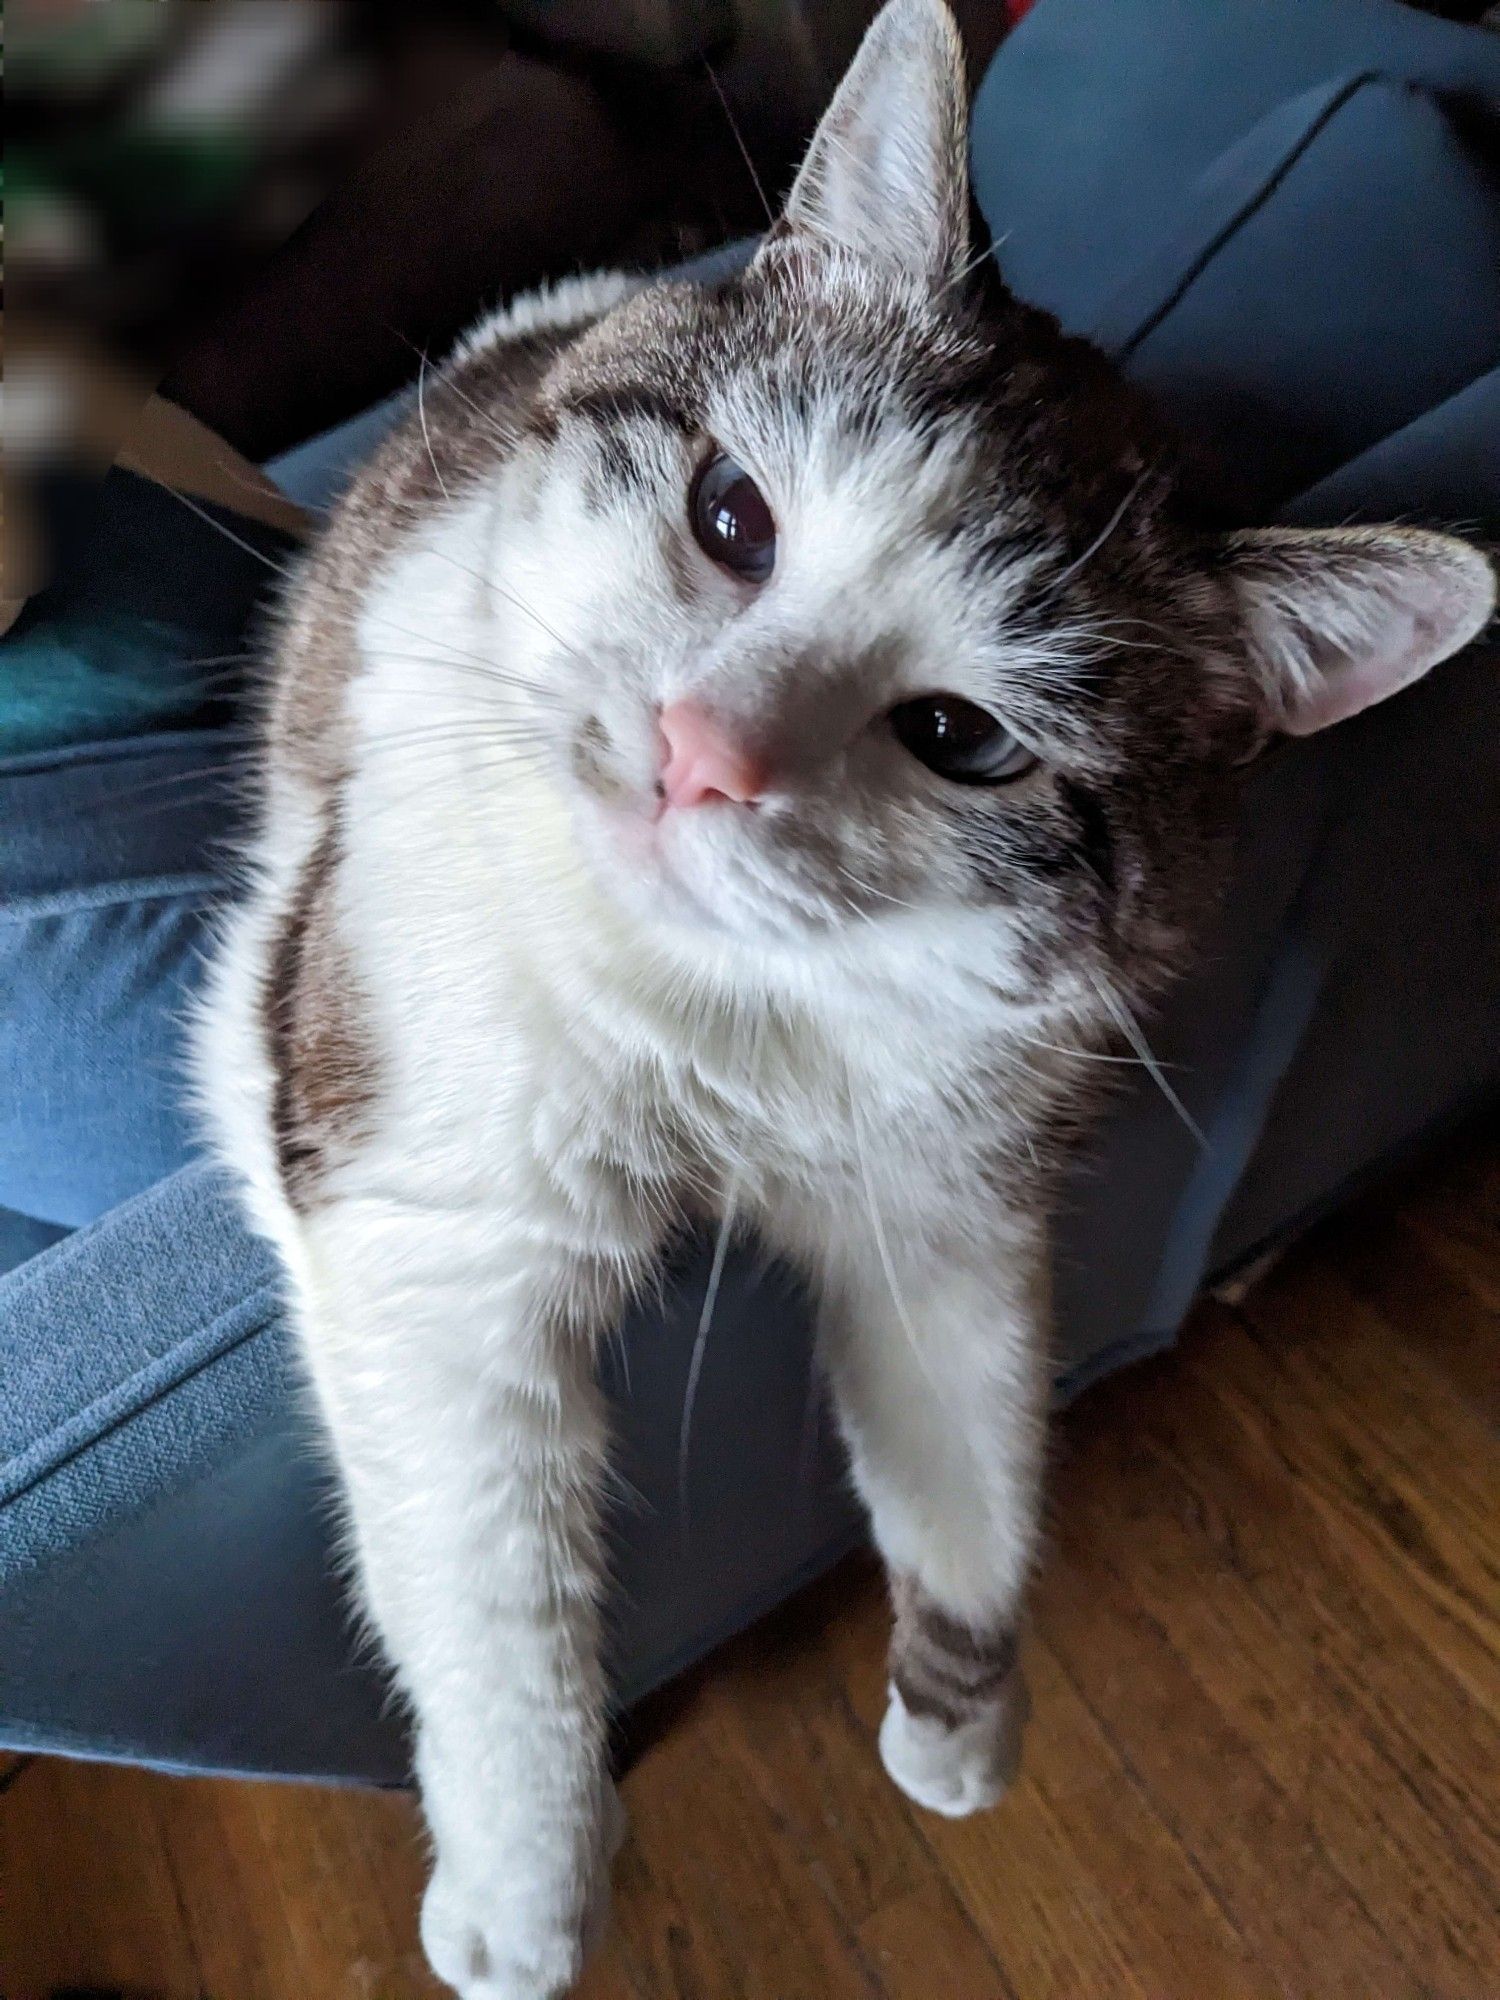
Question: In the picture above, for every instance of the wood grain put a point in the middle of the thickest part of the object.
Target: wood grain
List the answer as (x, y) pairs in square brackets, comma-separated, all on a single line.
[(1264, 1758)]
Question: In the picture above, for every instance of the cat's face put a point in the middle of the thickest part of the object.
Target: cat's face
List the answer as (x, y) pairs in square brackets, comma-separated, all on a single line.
[(865, 598), (828, 643)]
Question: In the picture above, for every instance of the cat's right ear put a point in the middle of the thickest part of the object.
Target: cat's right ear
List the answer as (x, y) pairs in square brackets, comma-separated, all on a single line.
[(886, 175)]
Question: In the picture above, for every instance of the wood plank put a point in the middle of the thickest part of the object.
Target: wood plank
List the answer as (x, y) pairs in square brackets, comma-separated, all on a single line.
[(1121, 1620), (1051, 1880), (1251, 1581), (1317, 1580), (227, 1889), (1077, 1882), (922, 1944), (87, 1894), (1451, 1203), (361, 1938), (761, 1925), (1399, 1272), (651, 1947), (1120, 1841), (1403, 1471), (783, 1714)]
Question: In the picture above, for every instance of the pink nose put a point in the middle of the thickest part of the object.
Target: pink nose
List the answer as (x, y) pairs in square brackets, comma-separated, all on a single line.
[(700, 761)]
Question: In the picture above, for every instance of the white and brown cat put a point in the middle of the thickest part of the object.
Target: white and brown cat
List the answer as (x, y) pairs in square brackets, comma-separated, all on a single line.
[(737, 747)]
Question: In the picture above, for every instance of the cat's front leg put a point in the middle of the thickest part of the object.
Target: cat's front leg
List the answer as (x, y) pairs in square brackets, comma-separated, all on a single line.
[(453, 1359), (940, 1381)]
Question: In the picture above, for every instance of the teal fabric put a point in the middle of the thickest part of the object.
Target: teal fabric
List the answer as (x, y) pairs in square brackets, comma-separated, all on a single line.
[(1367, 220), (114, 858), (1443, 467), (74, 680), (143, 623)]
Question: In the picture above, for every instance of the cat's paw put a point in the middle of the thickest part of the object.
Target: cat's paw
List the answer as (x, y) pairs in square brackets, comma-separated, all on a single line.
[(487, 1959), (960, 1770), (515, 1948)]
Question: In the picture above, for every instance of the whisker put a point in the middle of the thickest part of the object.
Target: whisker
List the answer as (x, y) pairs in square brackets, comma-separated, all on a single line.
[(700, 1345), (877, 1226), (732, 122), (1077, 1055), (969, 266), (446, 382), (862, 888), (491, 582), (281, 569), (1130, 1028), (1081, 562), (170, 793), (715, 1279), (457, 735), (518, 756), (426, 434), (446, 647)]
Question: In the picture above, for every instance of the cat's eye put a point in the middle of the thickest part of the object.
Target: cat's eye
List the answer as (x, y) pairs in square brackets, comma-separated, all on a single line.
[(731, 519), (958, 739)]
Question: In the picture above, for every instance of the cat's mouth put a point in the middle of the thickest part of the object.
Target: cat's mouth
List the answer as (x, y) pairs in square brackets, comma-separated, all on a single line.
[(661, 805), (708, 869), (694, 862)]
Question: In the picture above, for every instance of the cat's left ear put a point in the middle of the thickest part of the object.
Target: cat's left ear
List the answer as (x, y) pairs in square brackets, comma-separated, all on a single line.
[(1339, 618), (886, 175)]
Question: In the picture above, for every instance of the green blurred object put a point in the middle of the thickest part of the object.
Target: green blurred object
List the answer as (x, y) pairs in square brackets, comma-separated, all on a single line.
[(140, 178), (81, 677)]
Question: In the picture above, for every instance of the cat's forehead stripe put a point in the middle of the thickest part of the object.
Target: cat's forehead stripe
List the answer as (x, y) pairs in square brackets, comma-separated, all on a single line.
[(628, 402)]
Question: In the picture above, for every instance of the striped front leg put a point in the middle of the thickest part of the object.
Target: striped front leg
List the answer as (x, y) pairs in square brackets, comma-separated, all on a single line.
[(941, 1398)]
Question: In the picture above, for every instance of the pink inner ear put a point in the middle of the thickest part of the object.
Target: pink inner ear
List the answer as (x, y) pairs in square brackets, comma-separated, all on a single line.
[(1352, 676), (1344, 692), (1358, 614)]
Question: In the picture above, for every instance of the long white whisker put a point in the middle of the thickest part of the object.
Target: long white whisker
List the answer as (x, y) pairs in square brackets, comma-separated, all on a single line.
[(700, 1341), (1130, 1028), (1077, 1055), (422, 420), (444, 646), (877, 1227), (491, 582), (281, 569), (715, 1279), (446, 382)]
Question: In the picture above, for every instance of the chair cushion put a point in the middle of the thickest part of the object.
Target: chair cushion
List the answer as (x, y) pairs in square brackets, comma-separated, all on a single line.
[(1363, 229), (1097, 115)]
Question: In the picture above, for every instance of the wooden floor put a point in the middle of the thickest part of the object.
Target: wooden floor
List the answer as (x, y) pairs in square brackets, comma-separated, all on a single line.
[(1264, 1759)]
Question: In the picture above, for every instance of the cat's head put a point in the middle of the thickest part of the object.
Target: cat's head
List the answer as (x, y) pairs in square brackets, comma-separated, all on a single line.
[(868, 599)]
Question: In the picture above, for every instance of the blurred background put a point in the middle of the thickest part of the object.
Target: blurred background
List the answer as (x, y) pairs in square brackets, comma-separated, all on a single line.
[(267, 210)]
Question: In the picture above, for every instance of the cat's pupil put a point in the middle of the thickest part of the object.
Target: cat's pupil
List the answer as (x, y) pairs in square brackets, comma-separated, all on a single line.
[(732, 520), (958, 739)]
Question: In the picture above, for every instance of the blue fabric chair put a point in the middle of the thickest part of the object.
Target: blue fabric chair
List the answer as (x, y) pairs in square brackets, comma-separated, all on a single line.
[(1284, 216)]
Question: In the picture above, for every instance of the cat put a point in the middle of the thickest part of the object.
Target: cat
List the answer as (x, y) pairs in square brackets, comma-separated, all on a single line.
[(738, 748)]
